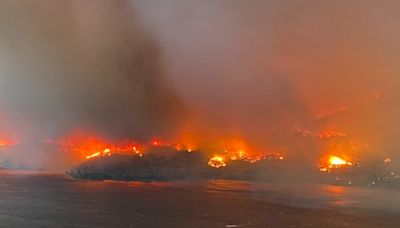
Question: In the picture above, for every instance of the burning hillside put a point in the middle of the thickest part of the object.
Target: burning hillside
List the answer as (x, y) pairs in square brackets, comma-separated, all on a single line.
[(156, 159), (86, 147), (160, 160), (167, 163), (150, 88), (98, 157)]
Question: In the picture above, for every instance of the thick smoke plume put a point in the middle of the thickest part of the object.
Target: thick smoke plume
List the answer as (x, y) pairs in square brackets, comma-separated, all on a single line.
[(82, 65), (202, 70)]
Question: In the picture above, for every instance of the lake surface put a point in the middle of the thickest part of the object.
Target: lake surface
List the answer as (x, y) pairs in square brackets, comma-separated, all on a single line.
[(29, 199)]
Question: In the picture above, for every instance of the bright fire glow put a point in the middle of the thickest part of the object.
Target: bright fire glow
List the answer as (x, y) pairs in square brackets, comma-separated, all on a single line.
[(238, 150), (97, 154), (7, 142), (88, 147), (217, 162), (334, 162)]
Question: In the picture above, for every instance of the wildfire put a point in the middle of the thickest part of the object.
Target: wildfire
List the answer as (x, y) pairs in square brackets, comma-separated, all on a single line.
[(108, 152), (97, 154), (177, 146), (334, 162), (7, 142), (238, 150), (217, 162), (187, 148), (89, 147), (337, 162), (240, 155)]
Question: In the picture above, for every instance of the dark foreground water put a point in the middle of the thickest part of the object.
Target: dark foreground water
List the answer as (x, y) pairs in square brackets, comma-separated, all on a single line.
[(45, 200)]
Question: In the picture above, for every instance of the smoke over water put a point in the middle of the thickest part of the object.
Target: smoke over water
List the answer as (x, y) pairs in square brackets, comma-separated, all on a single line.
[(202, 71)]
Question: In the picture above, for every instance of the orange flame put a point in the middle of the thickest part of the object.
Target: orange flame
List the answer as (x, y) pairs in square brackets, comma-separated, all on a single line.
[(334, 162), (217, 162), (88, 147)]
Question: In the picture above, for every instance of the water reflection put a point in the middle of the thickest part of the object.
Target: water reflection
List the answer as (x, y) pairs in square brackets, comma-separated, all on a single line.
[(37, 200), (298, 195)]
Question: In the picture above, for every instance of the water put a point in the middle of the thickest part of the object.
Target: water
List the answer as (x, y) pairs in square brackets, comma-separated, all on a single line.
[(52, 200)]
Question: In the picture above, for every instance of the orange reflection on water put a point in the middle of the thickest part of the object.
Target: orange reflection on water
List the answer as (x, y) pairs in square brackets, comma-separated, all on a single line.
[(338, 195)]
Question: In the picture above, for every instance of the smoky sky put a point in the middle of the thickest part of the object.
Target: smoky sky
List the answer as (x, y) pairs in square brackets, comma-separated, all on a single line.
[(211, 68), (86, 65), (255, 66)]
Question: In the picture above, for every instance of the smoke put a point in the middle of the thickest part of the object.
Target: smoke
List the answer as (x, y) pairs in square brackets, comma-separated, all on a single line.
[(202, 69), (87, 65), (79, 65), (252, 67)]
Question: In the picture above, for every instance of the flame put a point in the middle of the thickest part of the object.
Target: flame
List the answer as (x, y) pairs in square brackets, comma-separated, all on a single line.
[(88, 146), (239, 150), (183, 147), (217, 162), (97, 154), (105, 152), (334, 162), (85, 146)]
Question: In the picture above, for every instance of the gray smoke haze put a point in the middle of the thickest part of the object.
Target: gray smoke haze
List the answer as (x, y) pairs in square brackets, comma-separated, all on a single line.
[(86, 65), (248, 69), (253, 66)]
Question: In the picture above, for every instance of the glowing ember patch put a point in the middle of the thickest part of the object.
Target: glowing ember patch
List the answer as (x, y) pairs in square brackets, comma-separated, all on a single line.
[(107, 152), (324, 169), (7, 142), (85, 146), (159, 143), (334, 162), (217, 162), (136, 151), (239, 150), (187, 148), (97, 154)]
